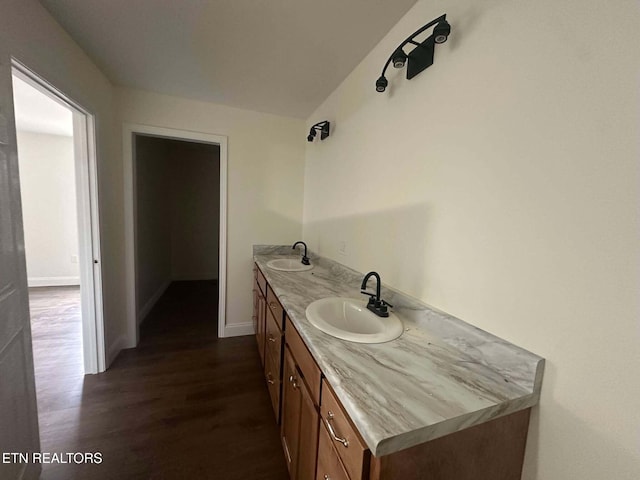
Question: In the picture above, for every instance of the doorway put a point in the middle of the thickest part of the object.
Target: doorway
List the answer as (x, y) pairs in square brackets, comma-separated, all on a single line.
[(161, 249), (58, 179)]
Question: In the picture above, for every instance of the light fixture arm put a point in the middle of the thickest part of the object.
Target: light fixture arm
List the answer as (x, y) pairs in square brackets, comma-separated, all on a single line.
[(410, 39), (421, 56), (323, 127)]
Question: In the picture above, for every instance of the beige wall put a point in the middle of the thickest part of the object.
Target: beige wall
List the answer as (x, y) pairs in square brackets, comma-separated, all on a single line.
[(502, 186), (264, 183), (31, 35), (153, 219), (195, 210), (49, 210)]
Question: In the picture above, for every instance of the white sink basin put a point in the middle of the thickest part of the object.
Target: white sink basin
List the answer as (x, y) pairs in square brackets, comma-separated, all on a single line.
[(349, 319), (288, 265)]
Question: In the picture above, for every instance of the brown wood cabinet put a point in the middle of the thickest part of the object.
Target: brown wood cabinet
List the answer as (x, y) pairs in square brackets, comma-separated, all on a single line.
[(274, 319), (273, 338), (268, 320), (344, 436), (493, 450), (274, 308), (329, 464), (321, 442), (291, 400), (259, 311), (272, 376), (300, 417)]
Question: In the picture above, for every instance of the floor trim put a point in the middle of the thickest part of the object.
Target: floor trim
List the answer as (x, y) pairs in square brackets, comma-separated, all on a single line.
[(53, 281), (238, 329)]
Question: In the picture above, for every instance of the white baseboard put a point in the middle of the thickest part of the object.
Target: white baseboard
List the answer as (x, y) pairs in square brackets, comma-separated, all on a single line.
[(114, 349), (144, 311), (238, 329), (195, 276), (52, 281)]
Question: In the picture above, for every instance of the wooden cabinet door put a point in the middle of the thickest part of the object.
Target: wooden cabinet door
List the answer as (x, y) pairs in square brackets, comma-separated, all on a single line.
[(260, 327), (291, 399), (273, 339), (272, 376), (308, 437), (254, 317), (300, 422), (329, 465), (345, 438)]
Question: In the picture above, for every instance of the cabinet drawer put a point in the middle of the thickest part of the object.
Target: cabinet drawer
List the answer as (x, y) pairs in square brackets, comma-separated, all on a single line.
[(344, 436), (273, 305), (273, 341), (329, 466), (308, 367), (262, 282), (272, 376)]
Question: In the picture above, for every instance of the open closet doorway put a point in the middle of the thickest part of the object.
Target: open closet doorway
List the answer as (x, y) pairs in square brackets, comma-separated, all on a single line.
[(58, 184), (175, 210)]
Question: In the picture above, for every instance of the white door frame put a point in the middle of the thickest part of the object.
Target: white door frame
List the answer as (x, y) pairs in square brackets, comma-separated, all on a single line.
[(89, 253), (129, 130)]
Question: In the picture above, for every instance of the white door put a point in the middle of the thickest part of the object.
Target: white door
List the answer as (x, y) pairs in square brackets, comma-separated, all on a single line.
[(18, 411)]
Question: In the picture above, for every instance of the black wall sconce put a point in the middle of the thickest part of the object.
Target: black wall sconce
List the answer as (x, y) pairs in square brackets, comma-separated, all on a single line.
[(421, 56), (323, 127)]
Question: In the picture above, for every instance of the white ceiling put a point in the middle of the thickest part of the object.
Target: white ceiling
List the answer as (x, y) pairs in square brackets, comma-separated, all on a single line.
[(277, 56), (36, 112)]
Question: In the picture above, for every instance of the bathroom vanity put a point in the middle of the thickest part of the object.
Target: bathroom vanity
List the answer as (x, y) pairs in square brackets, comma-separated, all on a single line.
[(443, 401)]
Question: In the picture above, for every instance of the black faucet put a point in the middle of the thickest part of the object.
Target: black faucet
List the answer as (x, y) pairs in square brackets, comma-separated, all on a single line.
[(375, 304), (305, 259)]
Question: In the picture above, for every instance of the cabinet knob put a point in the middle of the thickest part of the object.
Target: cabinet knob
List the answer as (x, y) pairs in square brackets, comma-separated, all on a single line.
[(294, 382), (270, 380), (327, 477), (271, 338)]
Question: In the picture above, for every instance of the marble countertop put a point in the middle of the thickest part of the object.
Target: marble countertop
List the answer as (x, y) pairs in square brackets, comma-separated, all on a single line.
[(441, 376)]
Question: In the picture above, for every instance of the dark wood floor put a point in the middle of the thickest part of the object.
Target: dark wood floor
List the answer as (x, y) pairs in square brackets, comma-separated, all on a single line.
[(183, 405)]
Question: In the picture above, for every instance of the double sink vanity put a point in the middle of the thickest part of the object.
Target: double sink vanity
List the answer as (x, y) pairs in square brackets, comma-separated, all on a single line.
[(363, 396)]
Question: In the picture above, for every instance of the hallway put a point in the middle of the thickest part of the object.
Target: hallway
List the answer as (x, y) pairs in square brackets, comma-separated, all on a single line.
[(184, 404)]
